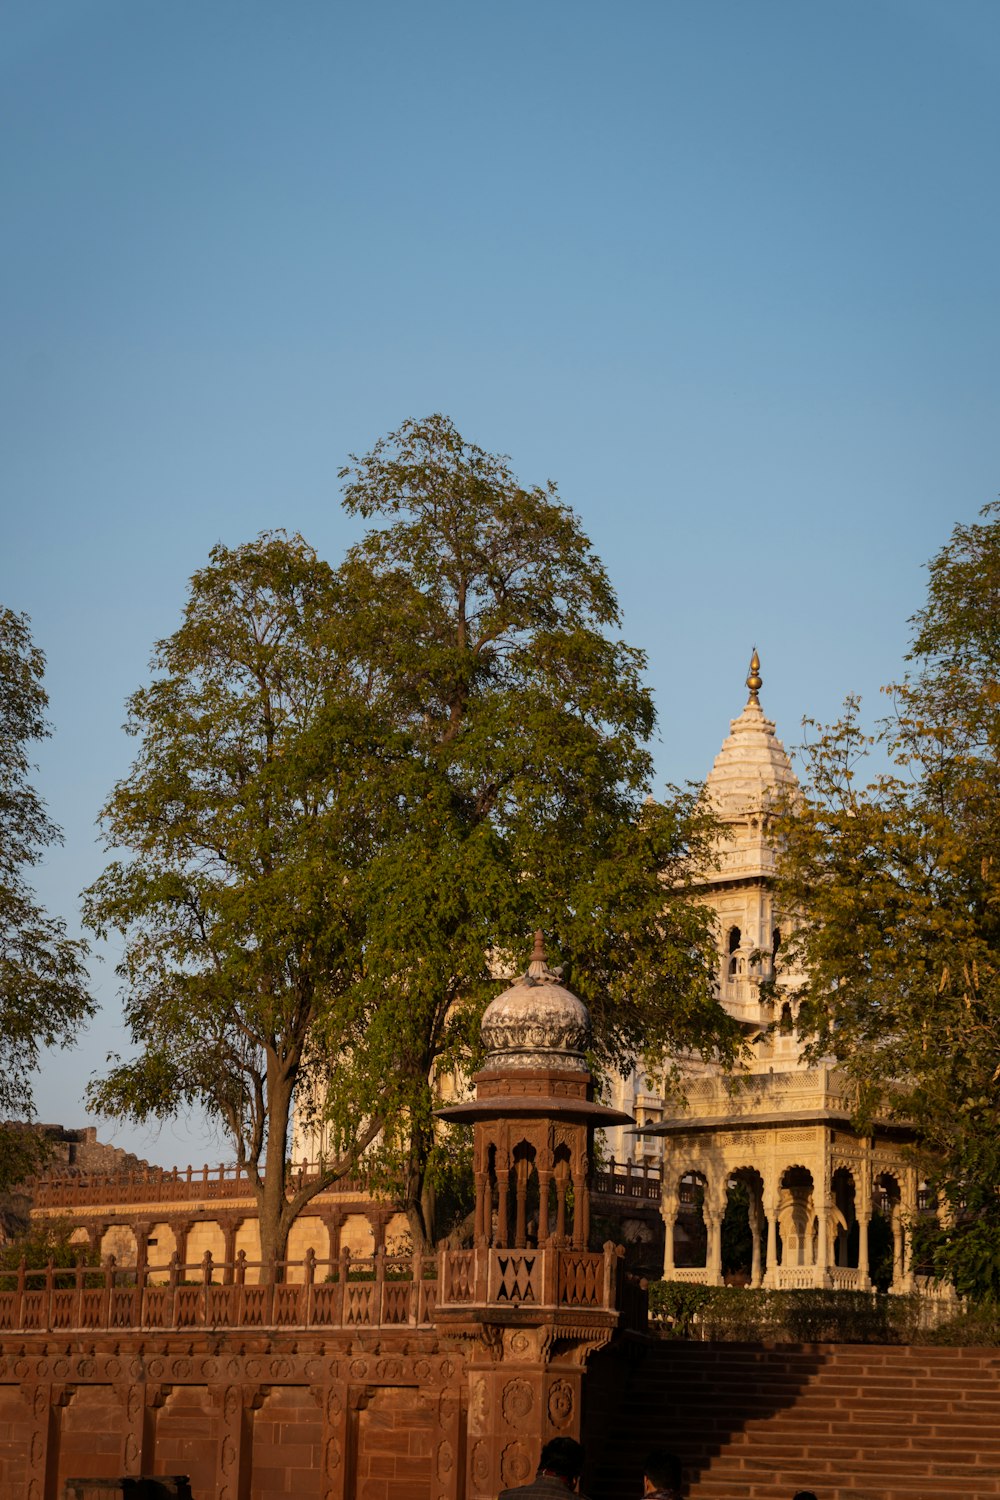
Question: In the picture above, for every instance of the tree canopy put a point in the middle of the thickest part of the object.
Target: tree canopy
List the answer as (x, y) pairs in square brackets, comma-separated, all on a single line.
[(895, 879), (357, 793), (44, 999)]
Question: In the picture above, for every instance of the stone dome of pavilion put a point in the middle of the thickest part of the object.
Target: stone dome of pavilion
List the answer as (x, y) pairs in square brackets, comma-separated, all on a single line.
[(537, 1023), (752, 770)]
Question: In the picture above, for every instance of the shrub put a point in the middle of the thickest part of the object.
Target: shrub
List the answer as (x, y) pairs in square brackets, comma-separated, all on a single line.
[(745, 1315)]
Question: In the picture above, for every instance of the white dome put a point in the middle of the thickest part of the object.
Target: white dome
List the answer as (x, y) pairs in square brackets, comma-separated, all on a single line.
[(537, 1023)]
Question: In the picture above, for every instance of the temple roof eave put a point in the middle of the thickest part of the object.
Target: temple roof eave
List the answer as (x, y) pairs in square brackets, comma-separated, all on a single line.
[(504, 1105)]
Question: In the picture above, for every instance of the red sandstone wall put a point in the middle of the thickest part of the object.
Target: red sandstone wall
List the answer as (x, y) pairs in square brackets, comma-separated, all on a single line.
[(303, 1417), (851, 1422)]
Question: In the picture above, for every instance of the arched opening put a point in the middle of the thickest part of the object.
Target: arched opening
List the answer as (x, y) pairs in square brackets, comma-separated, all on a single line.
[(525, 1196), (776, 941), (796, 1217), (735, 937), (690, 1227), (885, 1234), (744, 1232), (846, 1238), (786, 1025)]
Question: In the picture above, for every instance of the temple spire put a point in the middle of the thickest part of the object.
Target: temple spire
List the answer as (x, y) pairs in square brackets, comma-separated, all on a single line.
[(754, 679)]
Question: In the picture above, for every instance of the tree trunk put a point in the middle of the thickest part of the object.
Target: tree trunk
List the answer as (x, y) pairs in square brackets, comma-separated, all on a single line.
[(272, 1204)]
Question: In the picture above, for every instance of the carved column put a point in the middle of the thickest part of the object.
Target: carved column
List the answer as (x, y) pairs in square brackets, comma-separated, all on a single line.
[(236, 1404), (333, 1219), (521, 1170), (503, 1191), (181, 1228), (770, 1212), (447, 1472), (141, 1232), (544, 1179), (138, 1429), (714, 1208), (755, 1218), (230, 1224), (909, 1218), (579, 1210), (335, 1440), (668, 1208), (823, 1211), (44, 1402)]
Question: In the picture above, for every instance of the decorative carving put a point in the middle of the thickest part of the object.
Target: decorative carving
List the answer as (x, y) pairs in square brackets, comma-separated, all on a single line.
[(445, 1459), (560, 1403), (332, 1456), (515, 1465), (517, 1401), (359, 1369), (479, 1408), (481, 1465)]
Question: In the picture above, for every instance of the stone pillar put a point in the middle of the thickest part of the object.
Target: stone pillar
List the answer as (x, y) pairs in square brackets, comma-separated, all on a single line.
[(756, 1216), (181, 1229), (580, 1215), (909, 1219), (668, 1208), (230, 1225), (141, 1232), (898, 1248), (335, 1440), (713, 1257), (544, 1179), (770, 1212), (503, 1205), (44, 1402), (517, 1399), (521, 1170), (333, 1219), (236, 1404), (823, 1211), (139, 1403)]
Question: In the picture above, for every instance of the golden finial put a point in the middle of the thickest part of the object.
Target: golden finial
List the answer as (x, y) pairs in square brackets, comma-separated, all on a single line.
[(538, 956), (754, 679)]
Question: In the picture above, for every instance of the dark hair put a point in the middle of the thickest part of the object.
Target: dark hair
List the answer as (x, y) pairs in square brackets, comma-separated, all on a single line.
[(803, 1495), (562, 1456), (663, 1468)]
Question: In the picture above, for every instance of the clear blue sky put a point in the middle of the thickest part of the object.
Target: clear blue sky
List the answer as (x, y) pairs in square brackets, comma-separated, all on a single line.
[(727, 271)]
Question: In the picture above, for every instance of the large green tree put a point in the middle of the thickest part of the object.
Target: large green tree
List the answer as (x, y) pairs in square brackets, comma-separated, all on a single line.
[(246, 821), (44, 999), (357, 792), (895, 877), (525, 726)]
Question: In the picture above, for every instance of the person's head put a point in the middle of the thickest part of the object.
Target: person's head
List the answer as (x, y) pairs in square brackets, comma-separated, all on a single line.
[(563, 1457), (803, 1495), (662, 1471)]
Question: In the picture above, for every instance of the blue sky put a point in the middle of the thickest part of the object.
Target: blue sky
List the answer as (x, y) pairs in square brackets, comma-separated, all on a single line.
[(726, 271)]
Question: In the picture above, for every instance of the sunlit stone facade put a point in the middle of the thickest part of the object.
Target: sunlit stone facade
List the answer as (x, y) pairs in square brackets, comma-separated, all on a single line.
[(777, 1134)]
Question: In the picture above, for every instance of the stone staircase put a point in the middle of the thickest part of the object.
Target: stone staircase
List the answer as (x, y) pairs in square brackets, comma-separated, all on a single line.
[(849, 1421)]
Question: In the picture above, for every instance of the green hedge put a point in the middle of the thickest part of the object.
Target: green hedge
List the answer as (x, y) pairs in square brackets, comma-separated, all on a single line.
[(739, 1315)]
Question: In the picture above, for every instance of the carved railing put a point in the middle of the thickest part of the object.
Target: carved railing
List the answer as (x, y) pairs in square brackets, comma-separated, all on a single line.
[(64, 1189), (379, 1291), (627, 1179), (548, 1278)]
